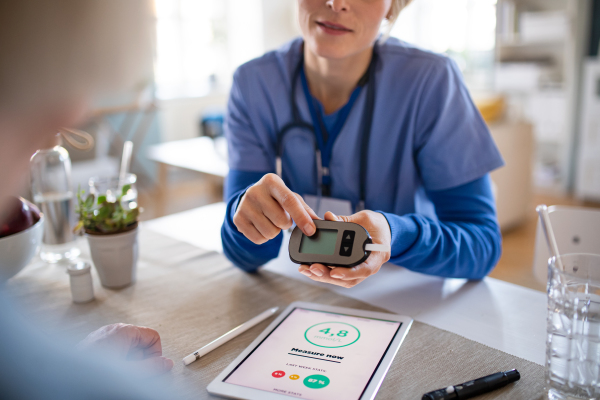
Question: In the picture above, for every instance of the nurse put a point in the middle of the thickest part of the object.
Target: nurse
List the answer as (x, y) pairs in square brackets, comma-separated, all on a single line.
[(375, 132)]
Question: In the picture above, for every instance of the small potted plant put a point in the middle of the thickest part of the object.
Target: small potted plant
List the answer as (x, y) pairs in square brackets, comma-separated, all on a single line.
[(111, 230)]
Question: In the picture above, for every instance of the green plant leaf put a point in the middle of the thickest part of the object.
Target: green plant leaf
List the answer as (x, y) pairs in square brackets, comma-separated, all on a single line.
[(102, 213), (125, 189), (103, 216), (78, 228), (89, 201), (131, 216)]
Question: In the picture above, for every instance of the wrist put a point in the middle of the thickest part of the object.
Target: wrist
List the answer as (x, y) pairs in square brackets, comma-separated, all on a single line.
[(240, 197), (404, 232), (388, 223)]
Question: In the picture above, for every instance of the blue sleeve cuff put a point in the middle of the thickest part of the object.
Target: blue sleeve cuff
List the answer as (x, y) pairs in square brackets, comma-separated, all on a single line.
[(464, 241), (405, 232), (238, 248)]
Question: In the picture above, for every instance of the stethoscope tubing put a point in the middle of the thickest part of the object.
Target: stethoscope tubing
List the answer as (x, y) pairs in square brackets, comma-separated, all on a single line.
[(297, 122)]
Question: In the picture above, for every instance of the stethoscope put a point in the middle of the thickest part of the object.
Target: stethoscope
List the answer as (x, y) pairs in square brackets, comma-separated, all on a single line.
[(298, 123)]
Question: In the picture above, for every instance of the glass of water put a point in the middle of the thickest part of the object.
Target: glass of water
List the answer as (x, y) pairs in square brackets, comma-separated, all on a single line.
[(112, 187), (573, 341)]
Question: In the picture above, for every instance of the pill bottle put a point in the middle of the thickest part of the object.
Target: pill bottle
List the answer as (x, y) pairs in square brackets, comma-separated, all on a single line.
[(80, 275)]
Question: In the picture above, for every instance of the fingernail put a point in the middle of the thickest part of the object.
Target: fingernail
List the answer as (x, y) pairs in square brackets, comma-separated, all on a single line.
[(316, 271), (337, 275), (307, 273), (168, 363), (334, 216), (309, 229)]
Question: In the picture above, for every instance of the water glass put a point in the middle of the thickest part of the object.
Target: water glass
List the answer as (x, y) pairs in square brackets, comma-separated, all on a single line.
[(573, 340), (111, 187)]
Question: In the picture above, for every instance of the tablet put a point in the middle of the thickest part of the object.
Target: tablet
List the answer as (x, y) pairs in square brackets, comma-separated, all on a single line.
[(316, 352)]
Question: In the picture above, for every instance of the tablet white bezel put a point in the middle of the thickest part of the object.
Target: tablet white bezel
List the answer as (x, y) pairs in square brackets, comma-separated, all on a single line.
[(218, 387)]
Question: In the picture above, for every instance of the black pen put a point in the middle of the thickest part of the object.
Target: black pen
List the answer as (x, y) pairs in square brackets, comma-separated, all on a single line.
[(474, 388)]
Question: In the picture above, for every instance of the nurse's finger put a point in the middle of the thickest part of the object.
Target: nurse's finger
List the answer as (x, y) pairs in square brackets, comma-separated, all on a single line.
[(305, 270), (265, 226), (319, 270), (369, 267), (276, 214), (249, 230), (329, 216), (293, 206), (326, 278), (310, 211)]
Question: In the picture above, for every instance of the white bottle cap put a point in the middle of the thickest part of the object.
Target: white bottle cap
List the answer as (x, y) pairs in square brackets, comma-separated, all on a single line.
[(79, 268), (80, 277)]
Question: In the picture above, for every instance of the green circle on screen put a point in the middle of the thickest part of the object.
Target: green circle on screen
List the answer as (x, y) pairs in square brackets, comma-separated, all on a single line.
[(316, 381), (332, 334)]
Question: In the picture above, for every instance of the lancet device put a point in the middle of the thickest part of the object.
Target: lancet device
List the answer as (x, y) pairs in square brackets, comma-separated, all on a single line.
[(335, 243)]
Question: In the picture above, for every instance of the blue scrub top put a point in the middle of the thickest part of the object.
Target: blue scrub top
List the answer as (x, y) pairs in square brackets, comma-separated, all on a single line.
[(426, 133)]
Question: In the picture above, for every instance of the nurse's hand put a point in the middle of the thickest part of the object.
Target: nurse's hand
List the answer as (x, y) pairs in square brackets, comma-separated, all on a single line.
[(269, 206), (376, 224)]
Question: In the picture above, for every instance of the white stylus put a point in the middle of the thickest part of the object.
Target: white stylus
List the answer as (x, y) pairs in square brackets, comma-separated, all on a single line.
[(228, 336), (377, 247)]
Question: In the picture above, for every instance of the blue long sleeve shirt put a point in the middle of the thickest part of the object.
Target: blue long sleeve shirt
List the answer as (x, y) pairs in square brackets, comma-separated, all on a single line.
[(463, 242)]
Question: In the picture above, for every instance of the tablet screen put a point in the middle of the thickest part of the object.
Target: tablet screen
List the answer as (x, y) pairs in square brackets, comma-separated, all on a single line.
[(317, 355)]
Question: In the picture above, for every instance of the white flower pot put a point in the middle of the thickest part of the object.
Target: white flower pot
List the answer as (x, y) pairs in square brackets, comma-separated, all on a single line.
[(115, 257)]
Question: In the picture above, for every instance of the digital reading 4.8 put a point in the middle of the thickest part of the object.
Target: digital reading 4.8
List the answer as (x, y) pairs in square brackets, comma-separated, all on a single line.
[(317, 355), (322, 242)]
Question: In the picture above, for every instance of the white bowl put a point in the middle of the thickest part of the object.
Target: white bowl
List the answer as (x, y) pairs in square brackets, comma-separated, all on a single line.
[(18, 249)]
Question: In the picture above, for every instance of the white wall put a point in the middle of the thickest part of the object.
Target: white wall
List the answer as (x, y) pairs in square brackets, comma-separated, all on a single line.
[(279, 22), (269, 24), (180, 117), (244, 30)]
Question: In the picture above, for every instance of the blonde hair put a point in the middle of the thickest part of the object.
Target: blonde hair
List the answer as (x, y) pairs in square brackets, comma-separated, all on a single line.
[(392, 17)]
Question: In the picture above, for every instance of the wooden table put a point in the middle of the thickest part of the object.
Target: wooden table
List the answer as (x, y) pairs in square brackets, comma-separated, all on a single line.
[(203, 155), (498, 314), (191, 296)]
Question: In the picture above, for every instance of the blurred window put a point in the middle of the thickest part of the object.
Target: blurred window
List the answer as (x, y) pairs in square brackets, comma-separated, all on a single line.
[(200, 42), (463, 29)]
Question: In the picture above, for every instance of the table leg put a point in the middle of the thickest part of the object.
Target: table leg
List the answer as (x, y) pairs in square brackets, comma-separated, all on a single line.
[(162, 189)]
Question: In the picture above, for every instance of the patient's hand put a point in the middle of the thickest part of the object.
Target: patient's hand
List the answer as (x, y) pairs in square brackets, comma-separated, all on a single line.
[(137, 344), (377, 226)]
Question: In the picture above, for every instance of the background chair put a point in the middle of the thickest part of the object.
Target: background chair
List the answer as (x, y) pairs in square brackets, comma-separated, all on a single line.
[(577, 230)]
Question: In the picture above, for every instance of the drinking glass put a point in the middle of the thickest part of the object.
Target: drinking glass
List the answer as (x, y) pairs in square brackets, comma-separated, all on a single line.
[(111, 187), (573, 340)]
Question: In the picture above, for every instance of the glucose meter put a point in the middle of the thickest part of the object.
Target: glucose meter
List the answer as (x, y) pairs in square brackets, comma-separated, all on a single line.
[(334, 243)]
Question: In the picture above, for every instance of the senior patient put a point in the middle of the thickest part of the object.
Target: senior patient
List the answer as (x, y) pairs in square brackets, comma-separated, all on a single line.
[(55, 56)]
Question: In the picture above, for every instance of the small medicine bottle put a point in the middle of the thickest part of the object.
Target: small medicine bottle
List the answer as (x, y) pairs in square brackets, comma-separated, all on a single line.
[(80, 275)]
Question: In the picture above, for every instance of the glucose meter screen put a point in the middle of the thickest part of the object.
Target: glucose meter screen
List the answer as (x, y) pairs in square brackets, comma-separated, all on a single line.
[(322, 242), (317, 355)]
